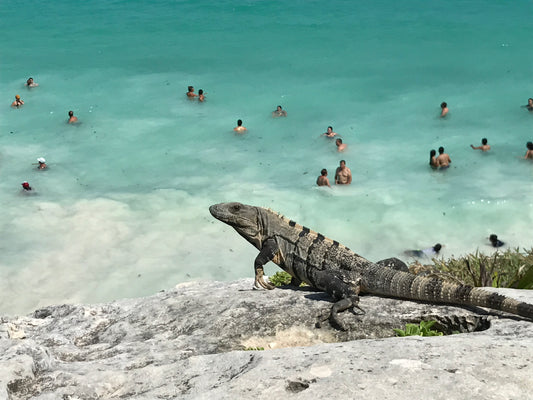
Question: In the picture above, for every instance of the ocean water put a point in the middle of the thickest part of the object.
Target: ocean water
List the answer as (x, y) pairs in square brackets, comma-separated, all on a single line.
[(122, 210)]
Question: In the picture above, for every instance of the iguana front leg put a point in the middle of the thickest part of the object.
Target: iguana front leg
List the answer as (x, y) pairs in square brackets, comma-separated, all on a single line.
[(269, 250)]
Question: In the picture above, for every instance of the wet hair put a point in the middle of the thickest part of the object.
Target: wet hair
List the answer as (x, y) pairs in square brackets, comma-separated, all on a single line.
[(530, 99), (432, 154), (239, 122), (493, 238), (437, 247), (342, 161), (338, 141), (324, 172), (200, 91), (484, 141), (330, 127), (190, 88), (279, 107), (70, 113), (441, 150), (443, 104), (529, 145)]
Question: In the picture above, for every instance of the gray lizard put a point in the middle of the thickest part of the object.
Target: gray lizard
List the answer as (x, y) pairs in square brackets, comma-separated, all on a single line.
[(329, 266)]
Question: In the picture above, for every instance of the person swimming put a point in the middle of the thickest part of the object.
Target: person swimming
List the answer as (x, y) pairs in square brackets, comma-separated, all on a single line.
[(494, 241), (429, 252)]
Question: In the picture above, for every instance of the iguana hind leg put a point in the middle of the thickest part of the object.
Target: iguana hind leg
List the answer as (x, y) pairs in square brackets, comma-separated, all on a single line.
[(347, 296)]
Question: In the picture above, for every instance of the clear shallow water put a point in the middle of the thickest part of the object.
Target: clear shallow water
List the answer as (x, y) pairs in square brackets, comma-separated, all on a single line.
[(123, 209)]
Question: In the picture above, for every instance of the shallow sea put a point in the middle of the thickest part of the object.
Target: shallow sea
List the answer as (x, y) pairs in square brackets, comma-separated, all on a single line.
[(122, 210)]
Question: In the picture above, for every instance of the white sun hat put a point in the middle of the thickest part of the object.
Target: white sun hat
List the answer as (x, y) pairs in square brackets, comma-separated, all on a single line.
[(41, 160)]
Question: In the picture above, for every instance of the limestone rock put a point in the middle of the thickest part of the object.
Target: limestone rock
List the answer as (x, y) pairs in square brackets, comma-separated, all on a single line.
[(202, 341)]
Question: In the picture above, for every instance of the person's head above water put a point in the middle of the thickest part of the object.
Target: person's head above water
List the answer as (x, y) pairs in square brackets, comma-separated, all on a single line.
[(239, 122), (437, 247), (484, 141), (529, 145), (324, 172), (443, 104), (441, 150)]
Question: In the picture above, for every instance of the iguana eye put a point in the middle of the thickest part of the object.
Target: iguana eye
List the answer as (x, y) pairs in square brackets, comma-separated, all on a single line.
[(236, 207)]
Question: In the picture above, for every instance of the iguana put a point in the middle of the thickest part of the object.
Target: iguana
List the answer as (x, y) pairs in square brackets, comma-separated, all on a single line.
[(329, 266)]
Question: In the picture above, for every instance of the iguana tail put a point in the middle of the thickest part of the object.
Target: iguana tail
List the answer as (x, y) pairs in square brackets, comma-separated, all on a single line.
[(389, 282)]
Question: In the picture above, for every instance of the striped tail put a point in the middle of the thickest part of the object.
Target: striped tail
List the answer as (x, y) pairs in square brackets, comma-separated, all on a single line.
[(389, 282)]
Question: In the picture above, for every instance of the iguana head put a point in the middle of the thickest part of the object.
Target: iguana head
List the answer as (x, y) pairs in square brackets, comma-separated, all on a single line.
[(243, 218)]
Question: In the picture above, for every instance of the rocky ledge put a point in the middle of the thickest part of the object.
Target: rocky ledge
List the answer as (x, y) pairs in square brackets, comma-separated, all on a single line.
[(220, 340)]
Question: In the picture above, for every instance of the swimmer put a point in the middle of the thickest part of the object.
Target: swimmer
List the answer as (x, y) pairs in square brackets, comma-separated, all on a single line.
[(26, 186), (30, 83), (444, 107), (484, 146), (239, 128), (329, 133), (433, 159), (343, 175), (42, 163), (429, 252), (323, 180), (18, 102), (529, 152), (201, 96), (190, 92), (340, 146), (279, 112), (71, 118), (494, 241), (443, 160), (529, 104)]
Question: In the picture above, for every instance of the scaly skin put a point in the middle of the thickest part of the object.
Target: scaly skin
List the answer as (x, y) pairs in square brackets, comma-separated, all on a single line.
[(329, 266)]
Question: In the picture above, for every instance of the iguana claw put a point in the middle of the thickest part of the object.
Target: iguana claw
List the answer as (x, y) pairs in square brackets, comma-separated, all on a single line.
[(260, 281)]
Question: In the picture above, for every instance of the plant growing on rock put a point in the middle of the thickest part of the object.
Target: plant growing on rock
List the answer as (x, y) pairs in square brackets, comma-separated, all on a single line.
[(510, 269), (424, 329), (280, 278)]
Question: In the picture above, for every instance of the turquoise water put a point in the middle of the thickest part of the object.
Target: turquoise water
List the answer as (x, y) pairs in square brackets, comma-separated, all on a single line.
[(122, 210)]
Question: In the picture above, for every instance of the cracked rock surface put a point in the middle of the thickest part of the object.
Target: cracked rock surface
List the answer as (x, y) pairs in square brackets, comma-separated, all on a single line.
[(205, 340)]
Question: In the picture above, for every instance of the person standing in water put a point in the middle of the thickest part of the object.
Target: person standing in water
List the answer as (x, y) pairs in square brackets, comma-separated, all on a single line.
[(18, 102), (484, 146), (444, 109), (71, 118), (239, 128), (443, 160), (340, 146), (529, 152), (190, 92), (433, 159), (201, 96), (323, 180), (343, 175)]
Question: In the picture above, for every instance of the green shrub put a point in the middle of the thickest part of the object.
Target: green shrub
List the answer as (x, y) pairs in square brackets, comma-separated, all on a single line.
[(280, 278), (509, 269), (424, 329)]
